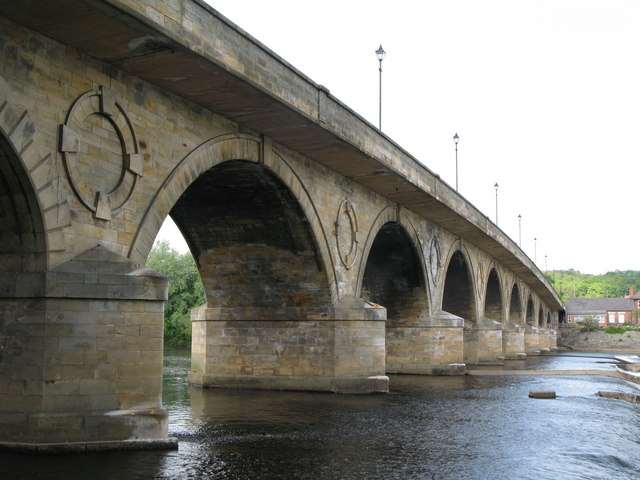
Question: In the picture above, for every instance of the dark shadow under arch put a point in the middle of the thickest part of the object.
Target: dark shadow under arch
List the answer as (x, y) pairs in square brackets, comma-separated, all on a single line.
[(530, 318), (22, 234), (251, 240), (394, 277), (515, 305), (493, 298), (457, 297)]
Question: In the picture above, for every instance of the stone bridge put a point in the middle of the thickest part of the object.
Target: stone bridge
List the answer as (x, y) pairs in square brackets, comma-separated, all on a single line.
[(329, 256)]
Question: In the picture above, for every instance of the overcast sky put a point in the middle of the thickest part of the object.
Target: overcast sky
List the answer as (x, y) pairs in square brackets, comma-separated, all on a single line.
[(544, 94)]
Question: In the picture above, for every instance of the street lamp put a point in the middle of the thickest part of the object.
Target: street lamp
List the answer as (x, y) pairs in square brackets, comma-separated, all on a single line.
[(455, 140), (535, 250), (520, 231), (496, 187), (380, 53)]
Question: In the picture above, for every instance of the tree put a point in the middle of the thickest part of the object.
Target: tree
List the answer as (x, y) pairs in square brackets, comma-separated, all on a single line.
[(185, 290), (572, 284)]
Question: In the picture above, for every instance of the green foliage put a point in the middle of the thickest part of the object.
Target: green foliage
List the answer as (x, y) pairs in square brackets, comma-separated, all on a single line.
[(614, 330), (589, 324), (573, 284), (185, 291)]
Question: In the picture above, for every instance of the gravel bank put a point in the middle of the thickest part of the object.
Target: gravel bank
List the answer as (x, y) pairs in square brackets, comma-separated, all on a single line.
[(599, 341)]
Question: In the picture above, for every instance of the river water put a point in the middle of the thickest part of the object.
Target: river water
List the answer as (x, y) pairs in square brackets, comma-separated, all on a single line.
[(468, 427)]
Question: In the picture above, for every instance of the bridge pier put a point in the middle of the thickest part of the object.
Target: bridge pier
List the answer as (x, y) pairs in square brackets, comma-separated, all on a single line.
[(513, 347), (482, 341), (431, 347), (82, 357), (548, 340), (289, 349), (531, 339)]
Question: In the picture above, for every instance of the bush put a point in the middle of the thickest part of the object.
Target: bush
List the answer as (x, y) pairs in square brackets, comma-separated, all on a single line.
[(589, 324), (185, 291), (614, 330)]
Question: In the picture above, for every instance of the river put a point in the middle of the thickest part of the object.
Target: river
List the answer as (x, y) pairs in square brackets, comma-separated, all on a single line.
[(469, 427)]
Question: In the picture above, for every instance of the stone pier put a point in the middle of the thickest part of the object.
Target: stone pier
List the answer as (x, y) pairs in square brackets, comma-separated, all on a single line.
[(82, 357), (433, 347), (342, 353)]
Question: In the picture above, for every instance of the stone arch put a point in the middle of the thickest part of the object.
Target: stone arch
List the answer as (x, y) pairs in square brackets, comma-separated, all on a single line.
[(541, 322), (458, 293), (515, 305), (23, 242), (251, 242), (391, 215), (272, 315), (493, 304), (530, 315), (32, 214), (225, 148), (392, 271)]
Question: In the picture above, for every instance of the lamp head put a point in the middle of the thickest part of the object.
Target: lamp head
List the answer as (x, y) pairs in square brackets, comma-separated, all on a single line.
[(380, 53)]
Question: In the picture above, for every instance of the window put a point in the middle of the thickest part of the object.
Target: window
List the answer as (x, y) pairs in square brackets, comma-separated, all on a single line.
[(620, 317), (612, 318)]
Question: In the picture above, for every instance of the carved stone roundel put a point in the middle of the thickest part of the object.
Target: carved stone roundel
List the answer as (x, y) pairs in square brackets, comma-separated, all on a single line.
[(346, 230), (100, 152)]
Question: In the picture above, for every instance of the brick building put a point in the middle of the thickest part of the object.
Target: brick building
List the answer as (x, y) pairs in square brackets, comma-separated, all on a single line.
[(607, 311)]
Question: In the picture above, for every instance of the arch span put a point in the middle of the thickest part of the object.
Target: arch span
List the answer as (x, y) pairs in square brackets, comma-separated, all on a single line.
[(252, 244), (23, 242), (272, 317), (540, 322), (216, 151), (23, 315), (393, 274), (458, 295), (393, 220), (23, 239), (493, 304), (513, 328), (515, 305), (530, 315), (532, 329), (394, 278)]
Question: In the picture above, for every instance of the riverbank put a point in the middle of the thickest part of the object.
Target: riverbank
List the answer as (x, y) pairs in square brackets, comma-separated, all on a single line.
[(599, 341)]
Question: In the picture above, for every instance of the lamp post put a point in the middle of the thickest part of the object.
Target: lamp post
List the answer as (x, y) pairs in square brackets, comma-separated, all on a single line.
[(535, 250), (520, 231), (380, 53), (455, 140), (496, 187)]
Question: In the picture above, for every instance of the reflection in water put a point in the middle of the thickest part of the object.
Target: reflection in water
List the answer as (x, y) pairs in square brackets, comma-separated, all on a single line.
[(426, 428)]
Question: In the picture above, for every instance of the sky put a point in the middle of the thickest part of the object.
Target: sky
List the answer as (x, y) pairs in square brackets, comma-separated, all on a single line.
[(544, 95)]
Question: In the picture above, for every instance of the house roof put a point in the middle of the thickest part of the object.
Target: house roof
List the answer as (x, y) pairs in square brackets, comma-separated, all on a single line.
[(595, 306)]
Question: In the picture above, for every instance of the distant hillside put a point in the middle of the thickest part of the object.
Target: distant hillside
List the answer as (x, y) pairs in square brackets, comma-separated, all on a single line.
[(572, 284)]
